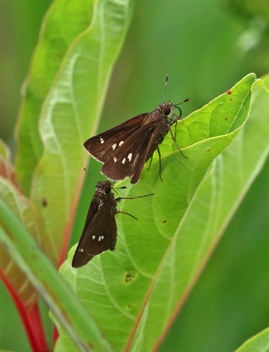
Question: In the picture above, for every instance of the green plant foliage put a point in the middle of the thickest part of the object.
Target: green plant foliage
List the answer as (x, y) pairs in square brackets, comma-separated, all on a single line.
[(126, 299), (69, 110), (234, 171), (133, 292), (230, 294), (57, 34), (24, 210), (64, 94), (50, 285), (258, 343)]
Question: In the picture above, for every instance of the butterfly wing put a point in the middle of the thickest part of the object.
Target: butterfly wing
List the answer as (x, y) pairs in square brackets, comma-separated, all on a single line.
[(104, 144), (129, 162), (99, 234)]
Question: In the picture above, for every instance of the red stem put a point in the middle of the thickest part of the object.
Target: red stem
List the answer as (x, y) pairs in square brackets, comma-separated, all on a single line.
[(55, 335), (31, 320)]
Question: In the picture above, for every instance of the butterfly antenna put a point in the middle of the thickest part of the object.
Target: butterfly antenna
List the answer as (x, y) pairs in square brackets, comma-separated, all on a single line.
[(184, 101), (89, 173), (176, 106), (114, 189), (165, 86)]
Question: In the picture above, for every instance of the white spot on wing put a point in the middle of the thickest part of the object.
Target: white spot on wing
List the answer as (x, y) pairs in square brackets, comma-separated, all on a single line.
[(115, 160), (123, 161), (101, 140), (114, 146), (93, 237), (100, 238), (81, 250), (130, 156), (121, 143)]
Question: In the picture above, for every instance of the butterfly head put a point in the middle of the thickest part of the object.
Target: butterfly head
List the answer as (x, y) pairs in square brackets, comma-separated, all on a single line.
[(104, 187), (166, 108)]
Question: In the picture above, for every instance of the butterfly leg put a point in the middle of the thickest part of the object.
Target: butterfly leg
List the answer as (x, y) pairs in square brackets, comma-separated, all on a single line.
[(146, 195), (160, 163), (176, 130), (171, 122), (118, 199), (123, 212), (176, 143)]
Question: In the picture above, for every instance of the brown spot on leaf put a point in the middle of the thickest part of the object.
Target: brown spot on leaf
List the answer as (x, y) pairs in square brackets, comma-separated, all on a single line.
[(130, 306), (130, 276)]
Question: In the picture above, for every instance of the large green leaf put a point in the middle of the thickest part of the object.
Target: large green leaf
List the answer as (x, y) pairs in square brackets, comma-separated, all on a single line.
[(220, 194), (133, 292), (63, 22), (64, 97), (70, 114), (214, 204)]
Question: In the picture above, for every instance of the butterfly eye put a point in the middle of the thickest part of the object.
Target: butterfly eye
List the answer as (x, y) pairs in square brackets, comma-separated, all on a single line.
[(166, 111), (107, 190)]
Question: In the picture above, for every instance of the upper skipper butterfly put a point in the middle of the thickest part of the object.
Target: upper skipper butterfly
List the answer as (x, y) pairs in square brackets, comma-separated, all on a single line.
[(124, 149)]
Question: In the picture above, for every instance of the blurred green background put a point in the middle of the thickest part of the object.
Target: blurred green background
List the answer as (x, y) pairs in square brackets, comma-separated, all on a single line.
[(205, 47)]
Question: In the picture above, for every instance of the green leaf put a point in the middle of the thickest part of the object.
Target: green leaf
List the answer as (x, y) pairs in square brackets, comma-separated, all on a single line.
[(24, 210), (51, 286), (64, 21), (210, 211), (68, 95), (134, 292), (70, 115), (258, 343)]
